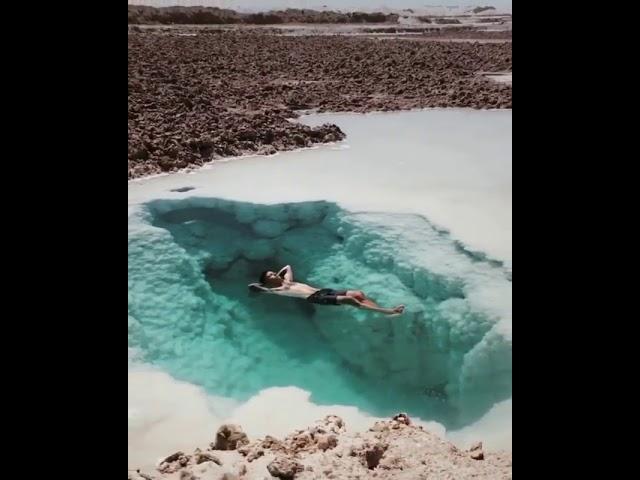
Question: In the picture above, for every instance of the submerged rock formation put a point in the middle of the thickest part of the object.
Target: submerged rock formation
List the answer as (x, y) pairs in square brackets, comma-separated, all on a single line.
[(448, 358)]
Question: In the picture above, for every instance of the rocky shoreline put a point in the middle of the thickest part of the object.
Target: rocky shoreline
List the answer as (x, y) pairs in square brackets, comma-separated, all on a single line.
[(394, 449), (196, 97)]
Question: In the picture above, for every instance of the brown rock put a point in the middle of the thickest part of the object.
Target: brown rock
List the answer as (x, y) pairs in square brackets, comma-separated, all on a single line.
[(174, 462), (300, 441), (255, 454), (476, 451), (245, 449), (402, 418), (477, 455), (374, 454), (326, 441), (285, 468), (334, 423), (173, 457), (202, 457), (271, 442), (230, 437), (379, 427)]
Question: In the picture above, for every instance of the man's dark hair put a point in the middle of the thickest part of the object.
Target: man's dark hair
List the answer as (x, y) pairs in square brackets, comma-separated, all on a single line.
[(263, 276)]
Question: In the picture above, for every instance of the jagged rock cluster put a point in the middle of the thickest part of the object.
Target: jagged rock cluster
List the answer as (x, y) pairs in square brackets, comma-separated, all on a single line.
[(394, 449)]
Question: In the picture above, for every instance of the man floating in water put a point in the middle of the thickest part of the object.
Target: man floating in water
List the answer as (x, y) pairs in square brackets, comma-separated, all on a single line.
[(282, 283)]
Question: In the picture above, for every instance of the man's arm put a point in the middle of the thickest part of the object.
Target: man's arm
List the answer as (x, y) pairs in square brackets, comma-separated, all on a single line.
[(256, 287), (286, 273)]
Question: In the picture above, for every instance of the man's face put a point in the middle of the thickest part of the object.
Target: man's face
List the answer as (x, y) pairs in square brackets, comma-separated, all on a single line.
[(272, 280)]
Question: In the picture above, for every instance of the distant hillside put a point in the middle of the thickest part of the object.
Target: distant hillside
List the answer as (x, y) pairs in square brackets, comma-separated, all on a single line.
[(143, 15), (482, 9)]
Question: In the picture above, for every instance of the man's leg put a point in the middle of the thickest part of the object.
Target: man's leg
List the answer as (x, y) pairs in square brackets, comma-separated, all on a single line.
[(362, 298), (367, 304)]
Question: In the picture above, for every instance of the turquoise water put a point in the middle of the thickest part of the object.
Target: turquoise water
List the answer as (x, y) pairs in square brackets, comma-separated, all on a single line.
[(447, 359)]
